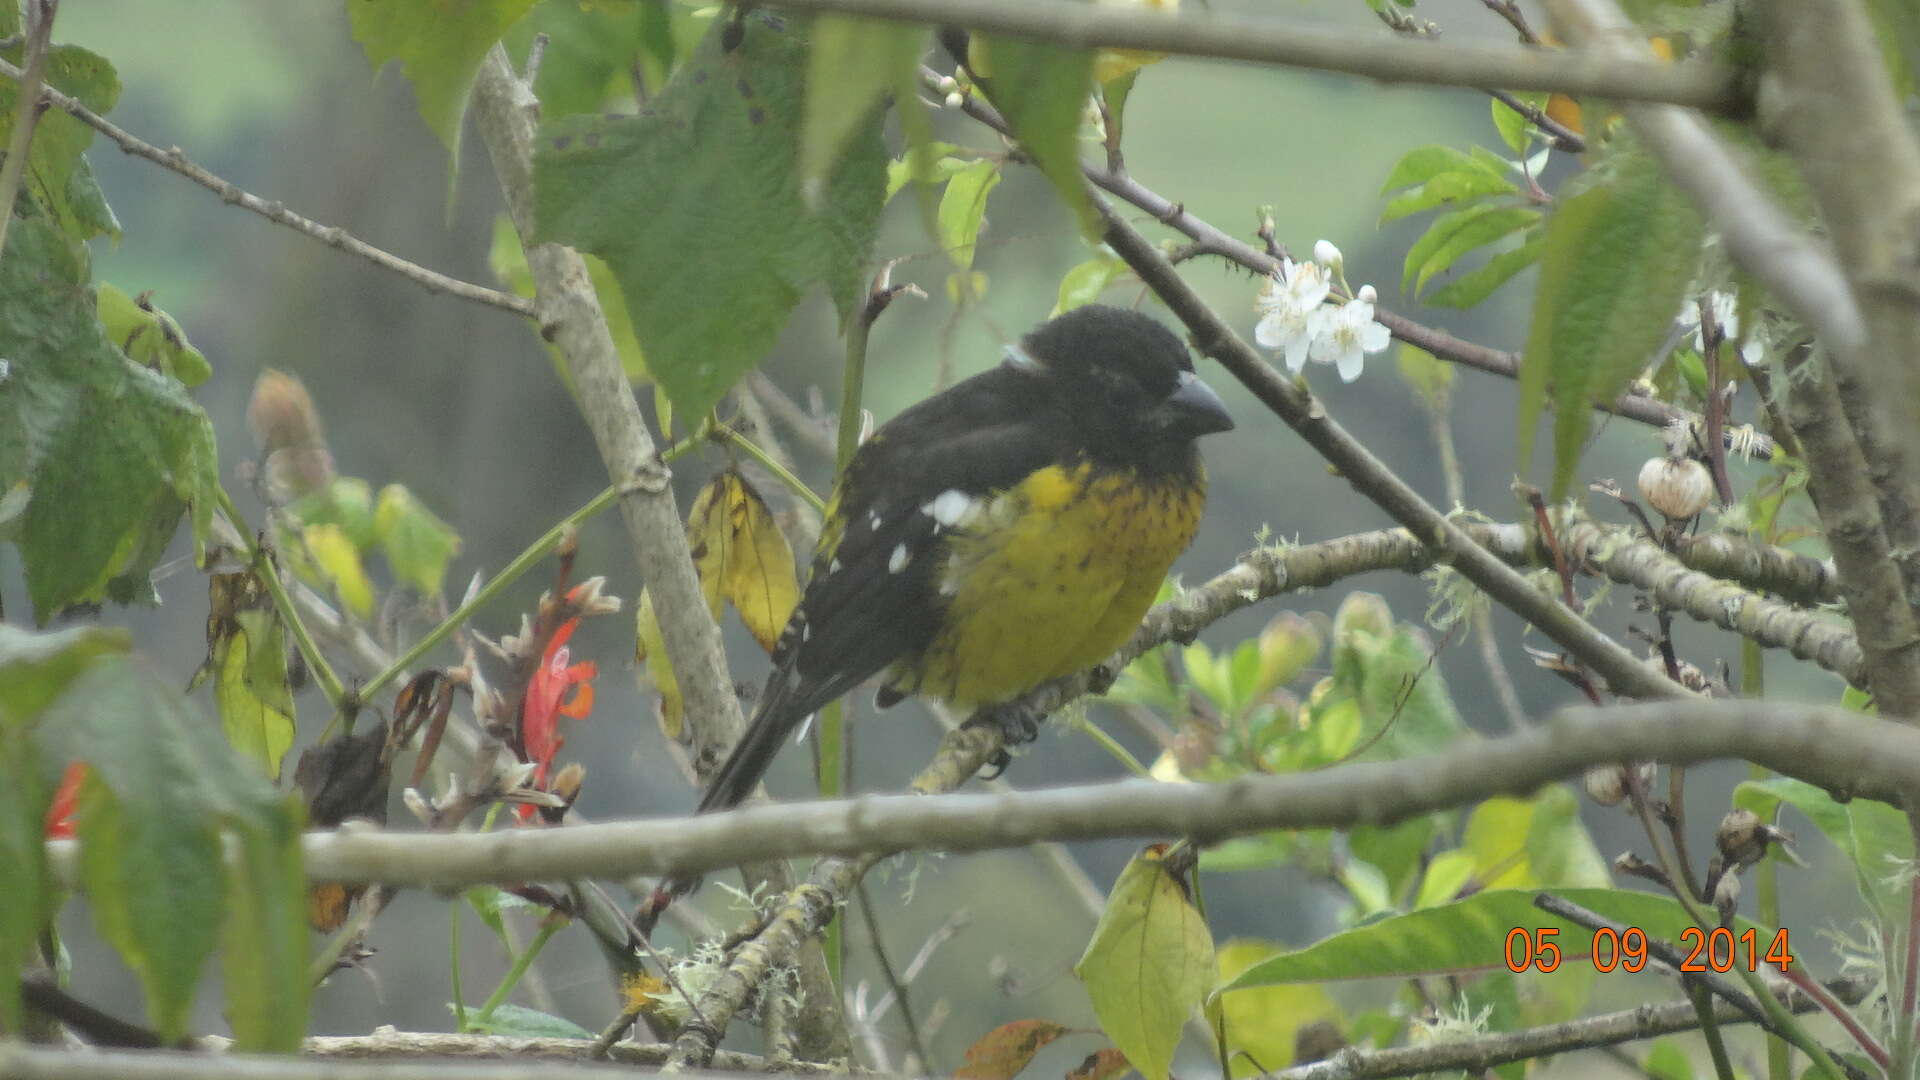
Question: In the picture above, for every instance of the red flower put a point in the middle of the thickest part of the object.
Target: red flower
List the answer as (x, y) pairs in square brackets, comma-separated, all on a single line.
[(558, 688), (60, 812)]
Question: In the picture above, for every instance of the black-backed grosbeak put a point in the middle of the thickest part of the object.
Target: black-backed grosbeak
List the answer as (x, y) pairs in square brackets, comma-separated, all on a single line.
[(1008, 530)]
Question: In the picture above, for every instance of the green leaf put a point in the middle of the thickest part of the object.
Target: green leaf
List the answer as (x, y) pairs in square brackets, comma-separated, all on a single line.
[(35, 669), (59, 183), (1471, 288), (150, 337), (520, 1022), (1453, 235), (1084, 283), (1042, 91), (111, 453), (160, 783), (1116, 92), (1511, 124), (1447, 189), (24, 794), (347, 502), (1397, 850), (1665, 1060), (853, 63), (417, 544), (1873, 836), (940, 167), (1449, 873), (264, 946), (1387, 672), (963, 207), (1262, 1023), (593, 51), (695, 205), (439, 44), (509, 264), (1466, 936), (1422, 164), (1617, 261), (1149, 963)]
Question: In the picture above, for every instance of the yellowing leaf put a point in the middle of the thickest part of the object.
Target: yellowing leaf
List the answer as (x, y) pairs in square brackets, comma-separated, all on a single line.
[(247, 657), (1149, 963), (1111, 64), (732, 531), (338, 561), (650, 648), (1000, 1054), (1262, 1023)]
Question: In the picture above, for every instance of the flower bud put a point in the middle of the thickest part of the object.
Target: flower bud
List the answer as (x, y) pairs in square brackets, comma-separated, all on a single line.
[(1680, 489), (1742, 838), (1366, 295), (954, 100), (1606, 784), (1327, 255)]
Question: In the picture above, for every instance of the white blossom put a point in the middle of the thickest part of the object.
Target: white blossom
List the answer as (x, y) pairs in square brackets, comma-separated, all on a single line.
[(1345, 335), (1289, 306)]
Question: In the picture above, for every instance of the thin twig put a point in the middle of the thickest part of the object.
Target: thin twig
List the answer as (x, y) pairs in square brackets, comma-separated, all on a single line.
[(26, 111), (1273, 41), (176, 160)]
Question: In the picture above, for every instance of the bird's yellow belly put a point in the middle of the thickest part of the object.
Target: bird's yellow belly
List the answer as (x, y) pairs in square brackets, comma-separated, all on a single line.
[(1049, 578)]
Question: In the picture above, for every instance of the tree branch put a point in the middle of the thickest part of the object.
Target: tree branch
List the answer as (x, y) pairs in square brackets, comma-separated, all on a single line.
[(1852, 755), (1829, 102), (1290, 400), (19, 1062), (1486, 1052), (1371, 55), (175, 159), (1211, 240), (569, 315)]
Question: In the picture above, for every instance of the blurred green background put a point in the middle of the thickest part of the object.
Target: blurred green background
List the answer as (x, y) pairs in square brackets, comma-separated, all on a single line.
[(460, 403)]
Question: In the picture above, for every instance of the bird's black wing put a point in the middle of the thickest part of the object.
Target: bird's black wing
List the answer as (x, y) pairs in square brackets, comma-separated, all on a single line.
[(872, 597)]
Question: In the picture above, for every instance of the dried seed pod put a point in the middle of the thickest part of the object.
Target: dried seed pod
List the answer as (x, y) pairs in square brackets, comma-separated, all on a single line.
[(1679, 488)]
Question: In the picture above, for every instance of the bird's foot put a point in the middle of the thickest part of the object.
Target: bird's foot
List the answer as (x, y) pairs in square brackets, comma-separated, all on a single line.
[(1017, 724)]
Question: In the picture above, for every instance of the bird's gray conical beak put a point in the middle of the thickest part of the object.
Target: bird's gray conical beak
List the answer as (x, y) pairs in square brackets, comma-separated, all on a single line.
[(1193, 409)]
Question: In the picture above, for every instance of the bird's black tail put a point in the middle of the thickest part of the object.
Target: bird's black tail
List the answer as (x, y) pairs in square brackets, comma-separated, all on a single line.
[(731, 783), (750, 758)]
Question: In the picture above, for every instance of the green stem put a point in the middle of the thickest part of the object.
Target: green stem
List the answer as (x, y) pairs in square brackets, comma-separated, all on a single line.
[(852, 388), (548, 927), (1710, 1030), (780, 472), (832, 719), (510, 573), (263, 565), (453, 963), (1120, 753)]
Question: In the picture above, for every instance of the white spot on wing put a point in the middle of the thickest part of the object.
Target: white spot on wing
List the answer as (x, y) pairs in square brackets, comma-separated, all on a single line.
[(899, 559), (1016, 357), (873, 520), (951, 507), (833, 567)]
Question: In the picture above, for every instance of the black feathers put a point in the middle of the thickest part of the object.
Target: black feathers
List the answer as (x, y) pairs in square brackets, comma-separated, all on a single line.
[(1099, 387)]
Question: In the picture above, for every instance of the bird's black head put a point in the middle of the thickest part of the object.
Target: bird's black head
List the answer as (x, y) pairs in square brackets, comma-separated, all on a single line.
[(1122, 380)]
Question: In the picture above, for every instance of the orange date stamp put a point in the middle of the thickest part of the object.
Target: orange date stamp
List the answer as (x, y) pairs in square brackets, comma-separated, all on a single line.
[(1700, 951)]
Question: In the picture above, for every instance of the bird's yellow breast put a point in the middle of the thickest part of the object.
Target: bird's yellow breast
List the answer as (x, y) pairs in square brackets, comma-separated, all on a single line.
[(1049, 577)]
